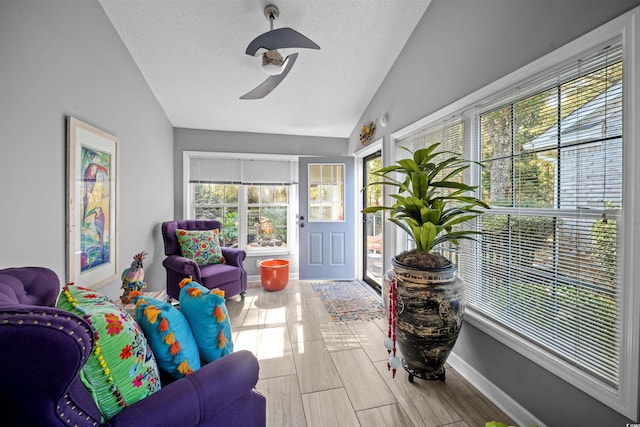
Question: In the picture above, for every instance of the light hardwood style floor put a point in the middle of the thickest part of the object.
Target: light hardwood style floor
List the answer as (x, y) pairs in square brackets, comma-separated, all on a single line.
[(315, 372)]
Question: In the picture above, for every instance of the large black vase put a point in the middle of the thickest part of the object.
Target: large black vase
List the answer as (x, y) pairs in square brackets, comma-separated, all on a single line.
[(429, 310)]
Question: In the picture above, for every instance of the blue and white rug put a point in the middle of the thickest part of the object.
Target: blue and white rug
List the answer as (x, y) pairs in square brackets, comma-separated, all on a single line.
[(350, 301)]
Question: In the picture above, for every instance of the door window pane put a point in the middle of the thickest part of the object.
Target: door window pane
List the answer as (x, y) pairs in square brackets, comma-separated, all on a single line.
[(326, 192)]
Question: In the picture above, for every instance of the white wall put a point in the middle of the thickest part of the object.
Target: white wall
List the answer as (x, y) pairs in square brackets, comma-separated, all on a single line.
[(61, 58), (458, 47)]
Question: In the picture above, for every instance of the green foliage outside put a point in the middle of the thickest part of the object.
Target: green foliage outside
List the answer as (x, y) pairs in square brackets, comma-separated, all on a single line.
[(528, 234), (270, 226), (266, 214), (605, 253), (230, 229), (515, 176), (373, 197), (521, 280)]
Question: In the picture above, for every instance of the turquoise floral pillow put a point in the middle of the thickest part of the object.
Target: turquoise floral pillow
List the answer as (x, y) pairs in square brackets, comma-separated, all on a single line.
[(121, 369), (168, 334), (207, 314), (202, 246)]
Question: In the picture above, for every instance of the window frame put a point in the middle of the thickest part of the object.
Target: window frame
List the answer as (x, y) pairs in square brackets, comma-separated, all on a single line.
[(624, 398), (249, 205), (188, 202)]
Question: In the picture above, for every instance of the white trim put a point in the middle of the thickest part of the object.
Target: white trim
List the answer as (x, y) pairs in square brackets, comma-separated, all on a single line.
[(513, 409), (363, 152), (369, 149), (186, 196), (630, 322), (625, 399), (206, 154)]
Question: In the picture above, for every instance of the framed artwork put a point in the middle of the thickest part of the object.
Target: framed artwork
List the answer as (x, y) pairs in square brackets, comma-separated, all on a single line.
[(92, 204)]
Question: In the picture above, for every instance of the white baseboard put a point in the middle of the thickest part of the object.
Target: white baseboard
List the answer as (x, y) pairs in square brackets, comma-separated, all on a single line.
[(502, 400)]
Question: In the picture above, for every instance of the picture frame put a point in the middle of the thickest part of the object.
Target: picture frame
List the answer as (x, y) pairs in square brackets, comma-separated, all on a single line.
[(92, 204)]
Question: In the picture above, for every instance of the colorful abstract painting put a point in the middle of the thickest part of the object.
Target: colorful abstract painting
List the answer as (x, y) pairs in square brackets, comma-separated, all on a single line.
[(95, 208)]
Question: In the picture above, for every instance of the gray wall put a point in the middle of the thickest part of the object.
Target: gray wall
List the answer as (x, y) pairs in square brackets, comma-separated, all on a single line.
[(458, 47), (245, 142), (61, 58)]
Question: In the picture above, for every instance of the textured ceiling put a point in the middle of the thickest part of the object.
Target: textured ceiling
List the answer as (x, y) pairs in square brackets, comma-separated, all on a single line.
[(192, 55)]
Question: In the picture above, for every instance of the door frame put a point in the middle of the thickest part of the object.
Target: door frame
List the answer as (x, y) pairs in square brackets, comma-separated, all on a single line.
[(347, 270), (377, 145)]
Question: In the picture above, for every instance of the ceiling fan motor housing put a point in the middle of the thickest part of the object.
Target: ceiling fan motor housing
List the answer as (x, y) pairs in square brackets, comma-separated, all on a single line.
[(272, 62)]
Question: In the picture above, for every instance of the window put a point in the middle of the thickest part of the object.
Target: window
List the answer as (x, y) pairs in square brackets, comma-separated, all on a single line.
[(552, 275), (218, 201), (250, 196), (548, 258), (326, 192), (267, 211)]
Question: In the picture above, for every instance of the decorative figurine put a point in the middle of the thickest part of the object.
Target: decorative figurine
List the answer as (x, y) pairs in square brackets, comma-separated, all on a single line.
[(133, 278)]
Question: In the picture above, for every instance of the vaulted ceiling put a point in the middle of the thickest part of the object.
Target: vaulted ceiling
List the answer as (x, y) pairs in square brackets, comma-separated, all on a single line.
[(192, 54)]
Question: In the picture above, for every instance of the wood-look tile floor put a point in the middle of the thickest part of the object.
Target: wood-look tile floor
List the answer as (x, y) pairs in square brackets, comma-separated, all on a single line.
[(315, 372)]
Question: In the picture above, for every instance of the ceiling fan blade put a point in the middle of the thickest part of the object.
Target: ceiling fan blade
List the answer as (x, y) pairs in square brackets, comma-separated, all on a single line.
[(280, 38), (272, 82)]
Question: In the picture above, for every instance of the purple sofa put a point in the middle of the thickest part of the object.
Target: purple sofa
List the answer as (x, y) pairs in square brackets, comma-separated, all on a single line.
[(231, 277), (44, 348)]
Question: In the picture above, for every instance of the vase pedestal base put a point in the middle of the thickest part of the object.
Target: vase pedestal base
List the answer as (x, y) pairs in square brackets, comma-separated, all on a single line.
[(414, 373)]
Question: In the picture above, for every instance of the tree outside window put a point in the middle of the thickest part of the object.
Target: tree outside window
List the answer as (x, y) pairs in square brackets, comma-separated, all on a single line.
[(220, 202), (267, 213), (552, 163)]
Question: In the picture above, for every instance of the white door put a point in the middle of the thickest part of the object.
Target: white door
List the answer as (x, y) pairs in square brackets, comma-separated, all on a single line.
[(327, 218)]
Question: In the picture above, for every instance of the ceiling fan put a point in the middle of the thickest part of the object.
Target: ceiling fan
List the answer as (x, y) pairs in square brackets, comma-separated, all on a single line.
[(272, 61)]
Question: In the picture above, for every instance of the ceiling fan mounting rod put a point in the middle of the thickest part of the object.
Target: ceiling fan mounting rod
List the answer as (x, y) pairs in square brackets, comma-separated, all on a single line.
[(272, 13)]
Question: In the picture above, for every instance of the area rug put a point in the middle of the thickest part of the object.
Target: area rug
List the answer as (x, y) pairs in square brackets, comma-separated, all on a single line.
[(349, 301)]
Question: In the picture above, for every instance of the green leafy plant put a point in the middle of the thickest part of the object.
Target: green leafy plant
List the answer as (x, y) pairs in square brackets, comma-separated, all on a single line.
[(431, 199), (230, 228)]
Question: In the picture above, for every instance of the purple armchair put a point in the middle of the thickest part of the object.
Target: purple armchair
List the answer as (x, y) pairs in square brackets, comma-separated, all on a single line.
[(231, 277), (44, 348)]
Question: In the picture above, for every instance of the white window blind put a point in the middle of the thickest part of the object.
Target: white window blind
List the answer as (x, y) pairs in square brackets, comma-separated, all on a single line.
[(449, 133), (547, 265), (235, 170), (452, 134)]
